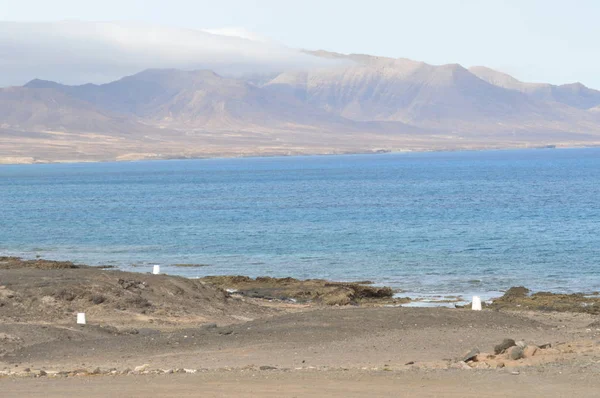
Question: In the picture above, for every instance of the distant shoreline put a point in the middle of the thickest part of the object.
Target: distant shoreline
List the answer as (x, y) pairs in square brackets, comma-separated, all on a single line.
[(15, 160)]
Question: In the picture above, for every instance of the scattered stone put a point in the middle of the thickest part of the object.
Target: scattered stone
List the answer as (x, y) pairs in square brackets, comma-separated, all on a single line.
[(48, 300), (141, 368), (500, 365), (515, 373), (515, 353), (97, 299), (97, 371), (109, 329), (209, 326), (461, 365), (545, 346), (129, 284), (521, 344), (469, 356), (268, 368), (410, 363), (9, 338), (505, 345), (190, 371)]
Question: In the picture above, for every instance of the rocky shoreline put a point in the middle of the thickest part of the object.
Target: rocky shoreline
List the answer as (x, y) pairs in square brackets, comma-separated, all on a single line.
[(145, 325), (318, 291)]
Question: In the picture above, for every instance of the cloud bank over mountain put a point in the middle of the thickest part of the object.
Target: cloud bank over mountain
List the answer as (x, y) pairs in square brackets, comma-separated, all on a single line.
[(73, 52)]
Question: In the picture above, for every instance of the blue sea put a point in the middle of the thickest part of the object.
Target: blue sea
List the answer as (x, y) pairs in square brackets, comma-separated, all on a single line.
[(430, 224)]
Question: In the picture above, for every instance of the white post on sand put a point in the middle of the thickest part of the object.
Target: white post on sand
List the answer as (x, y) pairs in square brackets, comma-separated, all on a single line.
[(476, 303), (81, 318), (156, 269)]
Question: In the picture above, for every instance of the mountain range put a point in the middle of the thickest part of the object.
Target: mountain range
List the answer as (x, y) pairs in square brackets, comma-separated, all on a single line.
[(362, 104)]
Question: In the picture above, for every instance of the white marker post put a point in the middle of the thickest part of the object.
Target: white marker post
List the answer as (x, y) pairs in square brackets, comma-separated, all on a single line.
[(156, 269), (81, 318), (476, 303)]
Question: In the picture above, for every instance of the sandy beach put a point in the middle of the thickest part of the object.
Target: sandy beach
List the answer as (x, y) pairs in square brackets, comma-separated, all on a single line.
[(170, 336)]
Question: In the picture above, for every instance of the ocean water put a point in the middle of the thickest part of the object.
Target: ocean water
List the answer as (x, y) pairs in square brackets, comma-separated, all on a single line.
[(430, 224)]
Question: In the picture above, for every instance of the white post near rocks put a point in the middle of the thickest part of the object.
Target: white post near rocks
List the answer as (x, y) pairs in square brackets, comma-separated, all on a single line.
[(156, 269), (476, 303), (81, 318)]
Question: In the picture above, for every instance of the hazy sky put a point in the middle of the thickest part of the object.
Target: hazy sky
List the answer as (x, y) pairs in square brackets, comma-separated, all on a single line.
[(534, 40)]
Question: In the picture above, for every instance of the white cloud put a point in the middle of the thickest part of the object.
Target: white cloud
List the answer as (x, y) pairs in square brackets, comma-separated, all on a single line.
[(97, 52), (239, 32)]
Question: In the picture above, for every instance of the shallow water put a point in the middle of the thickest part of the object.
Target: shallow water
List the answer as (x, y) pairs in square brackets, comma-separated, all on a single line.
[(431, 224)]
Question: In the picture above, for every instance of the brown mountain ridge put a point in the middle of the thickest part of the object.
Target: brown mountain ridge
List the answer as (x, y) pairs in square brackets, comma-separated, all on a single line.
[(366, 104)]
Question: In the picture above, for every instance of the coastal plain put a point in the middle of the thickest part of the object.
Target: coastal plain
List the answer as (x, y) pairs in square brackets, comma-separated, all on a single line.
[(181, 337)]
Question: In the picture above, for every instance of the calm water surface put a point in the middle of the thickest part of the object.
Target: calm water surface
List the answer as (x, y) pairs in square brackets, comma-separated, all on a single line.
[(432, 224)]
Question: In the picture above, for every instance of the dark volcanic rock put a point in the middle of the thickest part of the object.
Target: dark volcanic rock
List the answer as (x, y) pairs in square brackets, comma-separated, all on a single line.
[(505, 345), (317, 290), (519, 298), (516, 292)]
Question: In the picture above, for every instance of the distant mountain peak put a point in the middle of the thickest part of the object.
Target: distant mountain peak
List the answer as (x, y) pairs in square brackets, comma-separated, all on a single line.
[(362, 102)]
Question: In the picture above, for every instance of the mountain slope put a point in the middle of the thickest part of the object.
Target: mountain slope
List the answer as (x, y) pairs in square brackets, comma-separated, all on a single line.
[(575, 95), (23, 108), (364, 104), (197, 99), (446, 97)]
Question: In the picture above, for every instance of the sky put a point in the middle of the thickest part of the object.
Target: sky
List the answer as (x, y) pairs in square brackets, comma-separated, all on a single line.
[(534, 40)]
